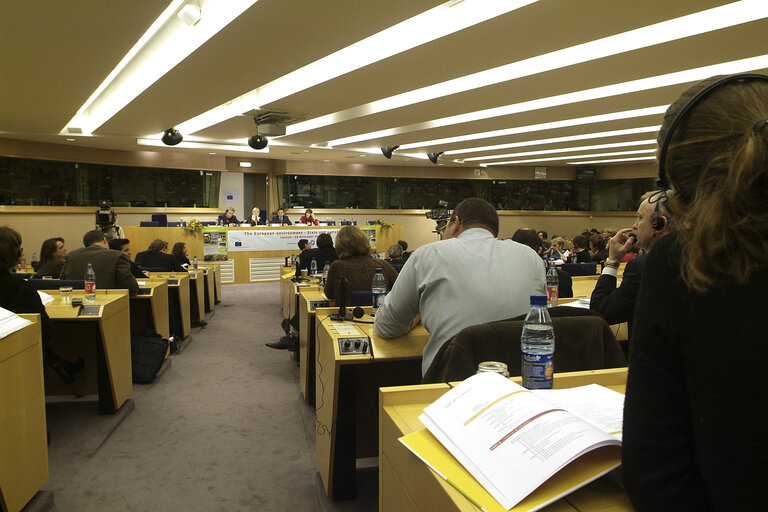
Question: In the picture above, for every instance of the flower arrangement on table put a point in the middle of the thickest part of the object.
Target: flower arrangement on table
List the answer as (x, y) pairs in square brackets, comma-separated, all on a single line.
[(384, 224), (193, 226)]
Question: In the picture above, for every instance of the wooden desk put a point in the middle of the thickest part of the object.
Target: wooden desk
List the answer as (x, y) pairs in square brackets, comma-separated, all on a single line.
[(150, 308), (216, 280), (346, 397), (406, 484), (23, 446), (197, 288), (209, 288), (309, 301), (100, 337), (178, 284)]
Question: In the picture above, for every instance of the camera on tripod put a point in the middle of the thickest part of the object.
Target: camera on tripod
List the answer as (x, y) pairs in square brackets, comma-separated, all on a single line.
[(105, 216), (440, 214)]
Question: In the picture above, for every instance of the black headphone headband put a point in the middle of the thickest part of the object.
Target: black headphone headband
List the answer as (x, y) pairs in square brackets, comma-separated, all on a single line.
[(662, 181)]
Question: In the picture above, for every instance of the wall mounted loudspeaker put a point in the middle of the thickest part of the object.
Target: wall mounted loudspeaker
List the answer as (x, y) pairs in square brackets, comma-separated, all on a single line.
[(171, 137), (257, 142)]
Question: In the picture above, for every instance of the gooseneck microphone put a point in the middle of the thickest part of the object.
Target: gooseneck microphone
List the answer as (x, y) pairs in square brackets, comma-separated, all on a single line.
[(342, 314)]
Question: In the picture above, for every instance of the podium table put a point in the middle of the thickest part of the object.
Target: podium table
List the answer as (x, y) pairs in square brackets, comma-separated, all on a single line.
[(23, 447), (149, 308), (178, 286)]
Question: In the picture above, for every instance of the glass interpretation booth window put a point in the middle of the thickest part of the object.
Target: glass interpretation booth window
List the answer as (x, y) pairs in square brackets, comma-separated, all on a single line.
[(53, 183), (414, 193)]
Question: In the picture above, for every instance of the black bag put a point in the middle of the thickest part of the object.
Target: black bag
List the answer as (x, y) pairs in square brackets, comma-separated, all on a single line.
[(148, 351)]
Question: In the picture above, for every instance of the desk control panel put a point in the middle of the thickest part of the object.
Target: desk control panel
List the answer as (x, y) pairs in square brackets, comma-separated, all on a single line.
[(356, 345), (144, 291), (90, 310), (314, 304)]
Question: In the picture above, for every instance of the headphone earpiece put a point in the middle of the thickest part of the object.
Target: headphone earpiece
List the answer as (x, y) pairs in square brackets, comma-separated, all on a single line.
[(658, 222), (358, 312)]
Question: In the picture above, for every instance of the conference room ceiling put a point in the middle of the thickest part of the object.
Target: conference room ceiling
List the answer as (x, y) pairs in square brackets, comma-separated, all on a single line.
[(55, 54)]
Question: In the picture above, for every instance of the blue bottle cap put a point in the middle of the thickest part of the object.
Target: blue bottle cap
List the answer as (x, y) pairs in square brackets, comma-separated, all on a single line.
[(538, 300)]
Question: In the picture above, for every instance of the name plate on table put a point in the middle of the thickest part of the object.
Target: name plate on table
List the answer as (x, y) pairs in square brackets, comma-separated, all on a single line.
[(173, 281), (356, 345), (314, 304)]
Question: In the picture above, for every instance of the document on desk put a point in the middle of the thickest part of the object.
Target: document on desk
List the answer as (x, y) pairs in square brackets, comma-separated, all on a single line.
[(44, 297), (10, 322), (511, 441), (346, 330)]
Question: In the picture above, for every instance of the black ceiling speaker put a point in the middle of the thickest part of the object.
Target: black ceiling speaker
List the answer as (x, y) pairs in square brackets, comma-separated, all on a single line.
[(434, 156), (171, 137), (257, 141), (387, 151)]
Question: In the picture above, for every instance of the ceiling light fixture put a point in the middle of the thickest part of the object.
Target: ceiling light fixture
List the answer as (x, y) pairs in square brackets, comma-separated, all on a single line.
[(717, 18), (629, 143), (614, 160), (570, 157), (168, 41), (245, 164), (427, 26)]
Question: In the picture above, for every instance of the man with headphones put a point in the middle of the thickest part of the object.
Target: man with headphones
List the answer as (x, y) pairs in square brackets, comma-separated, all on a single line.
[(617, 305)]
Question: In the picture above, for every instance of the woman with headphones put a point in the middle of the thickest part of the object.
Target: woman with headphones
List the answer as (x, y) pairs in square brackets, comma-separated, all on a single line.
[(695, 417)]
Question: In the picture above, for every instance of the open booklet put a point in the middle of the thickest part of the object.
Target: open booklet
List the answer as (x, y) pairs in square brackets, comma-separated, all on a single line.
[(497, 442)]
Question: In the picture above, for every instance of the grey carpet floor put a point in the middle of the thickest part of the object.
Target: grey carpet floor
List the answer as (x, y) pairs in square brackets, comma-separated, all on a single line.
[(224, 428)]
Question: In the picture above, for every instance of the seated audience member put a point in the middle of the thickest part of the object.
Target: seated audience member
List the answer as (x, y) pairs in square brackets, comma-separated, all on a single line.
[(469, 278), (280, 218), (617, 305), (18, 296), (695, 422), (323, 251), (580, 252), (228, 217), (355, 264), (123, 245), (308, 218), (181, 254), (556, 251), (112, 268), (529, 237), (52, 255), (255, 218), (156, 257), (395, 253), (607, 234), (404, 245), (598, 248)]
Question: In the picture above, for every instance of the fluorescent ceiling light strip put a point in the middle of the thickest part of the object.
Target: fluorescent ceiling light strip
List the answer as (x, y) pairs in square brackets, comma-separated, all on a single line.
[(564, 150), (569, 157), (202, 145), (428, 26), (685, 26), (167, 42), (613, 116), (614, 160), (643, 84), (556, 140)]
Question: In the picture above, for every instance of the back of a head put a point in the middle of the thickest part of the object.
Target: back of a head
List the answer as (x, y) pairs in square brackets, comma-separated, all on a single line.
[(10, 247), (403, 244), (303, 243), (351, 242), (178, 250), (118, 243), (580, 242), (92, 237), (395, 251), (597, 241), (529, 237), (157, 245), (324, 240), (717, 164), (476, 212)]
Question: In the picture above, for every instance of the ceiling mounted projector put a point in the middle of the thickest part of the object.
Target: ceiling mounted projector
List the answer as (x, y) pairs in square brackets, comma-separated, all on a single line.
[(257, 142)]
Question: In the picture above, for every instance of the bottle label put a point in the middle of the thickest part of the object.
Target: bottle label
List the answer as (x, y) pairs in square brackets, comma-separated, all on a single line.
[(90, 287), (537, 371), (378, 300), (551, 294)]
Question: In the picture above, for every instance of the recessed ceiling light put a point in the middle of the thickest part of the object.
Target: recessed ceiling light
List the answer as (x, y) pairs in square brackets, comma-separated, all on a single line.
[(245, 164), (211, 153), (564, 150), (571, 157), (71, 140), (326, 160), (613, 160), (306, 150)]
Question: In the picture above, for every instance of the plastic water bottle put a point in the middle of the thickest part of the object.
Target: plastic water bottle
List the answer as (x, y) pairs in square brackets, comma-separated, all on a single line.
[(22, 260), (378, 288), (537, 345), (552, 284), (313, 267), (90, 284), (326, 268), (194, 262)]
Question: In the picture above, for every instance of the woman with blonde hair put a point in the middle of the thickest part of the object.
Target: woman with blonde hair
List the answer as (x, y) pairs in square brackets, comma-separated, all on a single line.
[(695, 422), (355, 264)]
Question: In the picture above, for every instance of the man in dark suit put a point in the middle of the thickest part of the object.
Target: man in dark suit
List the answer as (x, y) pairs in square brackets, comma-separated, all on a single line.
[(124, 245), (617, 305), (156, 259), (280, 218), (112, 268)]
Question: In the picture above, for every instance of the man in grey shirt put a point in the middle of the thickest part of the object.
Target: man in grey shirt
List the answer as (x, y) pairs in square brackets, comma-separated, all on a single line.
[(467, 279)]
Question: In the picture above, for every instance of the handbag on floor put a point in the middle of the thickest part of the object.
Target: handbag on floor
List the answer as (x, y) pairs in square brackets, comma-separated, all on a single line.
[(148, 351)]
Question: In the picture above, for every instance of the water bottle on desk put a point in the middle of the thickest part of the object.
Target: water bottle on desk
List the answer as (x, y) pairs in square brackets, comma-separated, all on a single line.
[(313, 267), (90, 284), (194, 262), (326, 268), (378, 289), (537, 345), (552, 285)]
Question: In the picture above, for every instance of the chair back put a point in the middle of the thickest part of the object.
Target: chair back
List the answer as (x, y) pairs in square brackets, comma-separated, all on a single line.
[(581, 269), (361, 298), (148, 224), (174, 224), (161, 219), (582, 342), (55, 284)]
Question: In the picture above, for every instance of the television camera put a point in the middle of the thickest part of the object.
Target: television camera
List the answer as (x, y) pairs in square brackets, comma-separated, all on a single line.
[(106, 220), (440, 214)]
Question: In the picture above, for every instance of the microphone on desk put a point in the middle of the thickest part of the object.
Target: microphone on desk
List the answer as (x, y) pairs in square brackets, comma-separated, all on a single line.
[(342, 314)]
